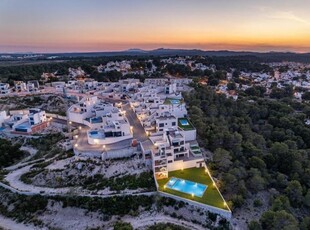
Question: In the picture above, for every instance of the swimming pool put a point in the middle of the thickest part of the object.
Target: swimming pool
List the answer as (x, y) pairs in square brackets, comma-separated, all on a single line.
[(186, 186), (175, 101), (184, 122), (96, 120), (96, 134)]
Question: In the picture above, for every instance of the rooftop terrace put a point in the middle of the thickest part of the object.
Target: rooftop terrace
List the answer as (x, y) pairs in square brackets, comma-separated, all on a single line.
[(185, 124)]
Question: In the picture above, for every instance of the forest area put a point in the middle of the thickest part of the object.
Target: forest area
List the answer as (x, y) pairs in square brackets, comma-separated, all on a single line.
[(258, 144)]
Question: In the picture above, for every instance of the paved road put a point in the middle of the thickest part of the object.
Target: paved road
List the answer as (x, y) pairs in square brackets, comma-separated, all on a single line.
[(138, 130)]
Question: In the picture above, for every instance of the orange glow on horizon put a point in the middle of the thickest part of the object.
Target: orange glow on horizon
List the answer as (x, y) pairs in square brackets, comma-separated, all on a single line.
[(119, 25)]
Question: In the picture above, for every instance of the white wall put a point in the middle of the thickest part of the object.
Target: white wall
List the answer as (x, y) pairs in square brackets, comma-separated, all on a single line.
[(189, 135), (179, 164), (107, 140)]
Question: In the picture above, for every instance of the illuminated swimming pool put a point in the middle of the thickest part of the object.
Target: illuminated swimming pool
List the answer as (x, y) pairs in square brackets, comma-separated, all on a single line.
[(186, 186), (184, 122), (96, 120), (175, 101), (96, 135)]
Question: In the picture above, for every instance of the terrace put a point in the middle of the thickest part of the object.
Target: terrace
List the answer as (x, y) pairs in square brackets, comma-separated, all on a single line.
[(172, 101), (195, 149), (185, 124), (211, 196)]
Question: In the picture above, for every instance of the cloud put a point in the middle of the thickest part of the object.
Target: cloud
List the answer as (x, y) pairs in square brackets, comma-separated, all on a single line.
[(282, 14), (288, 15)]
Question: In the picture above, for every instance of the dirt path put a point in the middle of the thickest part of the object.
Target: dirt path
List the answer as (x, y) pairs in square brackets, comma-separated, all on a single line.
[(142, 222)]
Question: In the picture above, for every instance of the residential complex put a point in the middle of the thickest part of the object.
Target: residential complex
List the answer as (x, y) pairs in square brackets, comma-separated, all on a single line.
[(24, 122)]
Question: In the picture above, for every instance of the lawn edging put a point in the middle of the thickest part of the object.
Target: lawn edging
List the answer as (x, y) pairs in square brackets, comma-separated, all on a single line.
[(224, 213)]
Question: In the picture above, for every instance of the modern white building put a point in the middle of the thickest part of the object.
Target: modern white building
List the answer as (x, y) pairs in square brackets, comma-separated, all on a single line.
[(88, 107), (107, 124), (20, 86), (5, 88), (27, 121), (111, 128), (33, 86), (3, 117), (171, 152)]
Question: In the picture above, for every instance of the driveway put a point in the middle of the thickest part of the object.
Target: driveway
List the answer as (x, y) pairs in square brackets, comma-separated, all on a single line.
[(138, 130)]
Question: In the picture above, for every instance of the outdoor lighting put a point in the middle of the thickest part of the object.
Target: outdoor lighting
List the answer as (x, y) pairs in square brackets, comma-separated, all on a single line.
[(165, 186), (80, 127), (192, 194), (96, 141), (76, 136), (225, 203), (103, 146), (213, 184), (182, 169), (76, 145), (70, 122)]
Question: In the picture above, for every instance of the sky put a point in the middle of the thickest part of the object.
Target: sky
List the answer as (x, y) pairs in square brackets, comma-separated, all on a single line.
[(113, 25)]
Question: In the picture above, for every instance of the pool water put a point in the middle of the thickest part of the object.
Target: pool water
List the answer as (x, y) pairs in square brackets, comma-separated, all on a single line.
[(184, 122), (175, 101), (96, 120), (96, 134), (186, 186)]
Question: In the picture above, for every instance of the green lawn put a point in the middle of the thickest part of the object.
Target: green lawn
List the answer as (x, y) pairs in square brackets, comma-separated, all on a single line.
[(211, 195)]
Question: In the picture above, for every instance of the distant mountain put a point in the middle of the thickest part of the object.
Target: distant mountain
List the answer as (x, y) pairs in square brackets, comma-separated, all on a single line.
[(164, 52), (136, 50)]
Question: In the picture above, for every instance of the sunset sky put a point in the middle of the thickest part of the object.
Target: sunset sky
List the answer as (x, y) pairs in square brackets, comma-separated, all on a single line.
[(106, 25)]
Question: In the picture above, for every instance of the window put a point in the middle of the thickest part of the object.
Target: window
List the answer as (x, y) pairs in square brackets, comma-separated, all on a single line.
[(117, 134), (161, 125), (173, 123), (170, 161)]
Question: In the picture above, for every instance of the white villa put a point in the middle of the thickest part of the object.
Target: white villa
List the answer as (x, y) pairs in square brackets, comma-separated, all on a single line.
[(20, 86), (172, 151), (162, 113), (27, 121), (5, 88), (107, 124)]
